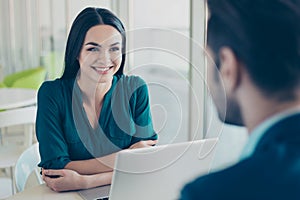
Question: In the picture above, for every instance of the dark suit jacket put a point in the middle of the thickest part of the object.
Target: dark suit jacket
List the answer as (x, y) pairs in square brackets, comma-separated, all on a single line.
[(272, 172)]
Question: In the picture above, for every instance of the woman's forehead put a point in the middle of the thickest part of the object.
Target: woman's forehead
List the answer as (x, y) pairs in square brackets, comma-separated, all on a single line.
[(103, 35)]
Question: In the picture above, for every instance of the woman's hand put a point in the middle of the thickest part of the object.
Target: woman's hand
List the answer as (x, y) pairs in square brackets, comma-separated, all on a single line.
[(143, 143), (66, 179), (63, 179)]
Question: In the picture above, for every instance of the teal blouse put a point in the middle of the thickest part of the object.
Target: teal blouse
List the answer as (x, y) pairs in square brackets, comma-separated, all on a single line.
[(63, 129)]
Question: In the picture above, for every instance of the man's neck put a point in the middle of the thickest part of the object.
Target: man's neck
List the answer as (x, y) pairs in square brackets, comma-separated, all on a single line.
[(260, 109)]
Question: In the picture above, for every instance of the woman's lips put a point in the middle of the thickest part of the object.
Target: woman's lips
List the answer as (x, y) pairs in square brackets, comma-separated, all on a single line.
[(102, 70)]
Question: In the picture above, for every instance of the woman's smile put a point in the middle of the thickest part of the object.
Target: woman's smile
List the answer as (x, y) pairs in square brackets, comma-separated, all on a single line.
[(102, 70)]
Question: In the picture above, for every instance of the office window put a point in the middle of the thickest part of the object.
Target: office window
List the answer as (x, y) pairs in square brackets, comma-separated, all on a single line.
[(33, 33), (18, 33), (56, 17), (158, 51)]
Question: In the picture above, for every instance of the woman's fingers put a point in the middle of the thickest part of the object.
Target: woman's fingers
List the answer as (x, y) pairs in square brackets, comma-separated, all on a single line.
[(151, 142), (144, 143)]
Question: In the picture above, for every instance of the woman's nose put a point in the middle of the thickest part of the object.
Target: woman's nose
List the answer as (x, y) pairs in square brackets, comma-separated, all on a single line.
[(104, 58)]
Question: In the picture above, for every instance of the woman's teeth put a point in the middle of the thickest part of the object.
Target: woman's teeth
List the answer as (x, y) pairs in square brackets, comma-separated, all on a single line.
[(101, 69)]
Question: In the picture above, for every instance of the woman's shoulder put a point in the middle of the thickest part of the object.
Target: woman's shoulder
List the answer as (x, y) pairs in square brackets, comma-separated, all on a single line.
[(53, 87), (56, 84), (51, 83), (49, 86), (130, 80), (131, 84)]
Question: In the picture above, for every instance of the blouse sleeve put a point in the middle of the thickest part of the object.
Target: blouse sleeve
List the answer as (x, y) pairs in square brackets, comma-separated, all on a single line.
[(141, 113), (49, 127)]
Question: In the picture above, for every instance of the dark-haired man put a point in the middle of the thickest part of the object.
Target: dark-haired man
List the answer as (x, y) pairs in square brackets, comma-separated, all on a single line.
[(256, 48)]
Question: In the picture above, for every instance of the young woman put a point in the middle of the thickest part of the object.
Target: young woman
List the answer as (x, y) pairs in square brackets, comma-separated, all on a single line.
[(93, 110)]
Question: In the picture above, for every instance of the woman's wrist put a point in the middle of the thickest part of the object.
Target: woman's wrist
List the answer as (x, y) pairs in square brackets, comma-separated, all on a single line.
[(90, 181), (84, 181)]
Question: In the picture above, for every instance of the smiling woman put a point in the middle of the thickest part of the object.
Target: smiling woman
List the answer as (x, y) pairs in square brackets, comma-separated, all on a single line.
[(101, 53), (93, 110)]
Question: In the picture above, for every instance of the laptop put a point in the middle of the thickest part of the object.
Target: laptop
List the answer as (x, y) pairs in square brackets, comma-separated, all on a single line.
[(158, 172)]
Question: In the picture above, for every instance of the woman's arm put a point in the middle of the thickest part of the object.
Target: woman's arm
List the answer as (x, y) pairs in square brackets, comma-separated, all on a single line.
[(93, 166), (71, 180), (49, 126), (103, 164), (83, 174)]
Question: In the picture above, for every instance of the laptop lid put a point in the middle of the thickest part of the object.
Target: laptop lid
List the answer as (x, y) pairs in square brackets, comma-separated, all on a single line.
[(98, 193), (160, 172)]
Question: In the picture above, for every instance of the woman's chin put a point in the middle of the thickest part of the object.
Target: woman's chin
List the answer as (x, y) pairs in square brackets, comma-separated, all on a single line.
[(105, 79)]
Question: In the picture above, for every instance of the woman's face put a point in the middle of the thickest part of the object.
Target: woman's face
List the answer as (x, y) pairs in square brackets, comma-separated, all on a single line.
[(101, 54)]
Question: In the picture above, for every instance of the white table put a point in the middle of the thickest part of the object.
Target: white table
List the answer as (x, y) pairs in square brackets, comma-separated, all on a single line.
[(11, 98), (43, 192)]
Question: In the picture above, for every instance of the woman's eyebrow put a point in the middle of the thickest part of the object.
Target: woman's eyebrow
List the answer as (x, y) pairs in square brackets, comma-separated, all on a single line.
[(115, 43), (98, 45), (93, 43)]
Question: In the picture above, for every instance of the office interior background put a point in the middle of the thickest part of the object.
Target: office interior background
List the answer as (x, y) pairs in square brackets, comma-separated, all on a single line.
[(172, 61)]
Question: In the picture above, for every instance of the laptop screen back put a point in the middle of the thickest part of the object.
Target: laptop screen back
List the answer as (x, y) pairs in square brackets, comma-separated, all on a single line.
[(160, 172)]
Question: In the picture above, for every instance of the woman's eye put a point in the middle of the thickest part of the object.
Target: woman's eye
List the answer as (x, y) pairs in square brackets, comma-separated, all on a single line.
[(93, 49), (115, 49)]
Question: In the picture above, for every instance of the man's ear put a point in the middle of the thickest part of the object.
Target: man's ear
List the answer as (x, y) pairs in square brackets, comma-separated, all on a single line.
[(229, 69)]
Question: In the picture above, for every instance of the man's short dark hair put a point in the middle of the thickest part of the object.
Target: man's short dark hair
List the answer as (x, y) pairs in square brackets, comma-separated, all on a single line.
[(265, 37)]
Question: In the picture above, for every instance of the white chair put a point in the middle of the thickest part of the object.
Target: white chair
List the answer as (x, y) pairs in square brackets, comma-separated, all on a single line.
[(10, 153), (26, 165)]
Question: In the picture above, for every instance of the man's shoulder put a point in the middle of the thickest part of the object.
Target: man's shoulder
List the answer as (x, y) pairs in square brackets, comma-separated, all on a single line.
[(257, 177), (216, 185)]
